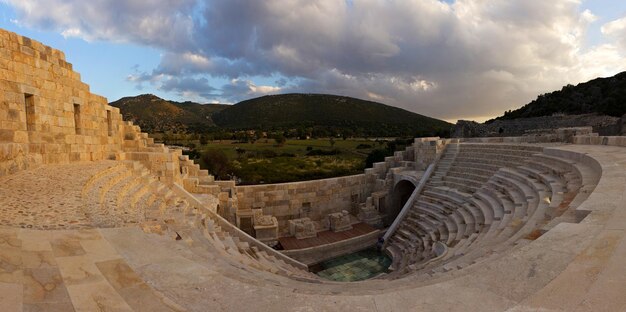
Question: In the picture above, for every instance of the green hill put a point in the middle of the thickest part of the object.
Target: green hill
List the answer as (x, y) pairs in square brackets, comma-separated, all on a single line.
[(154, 114), (604, 96), (327, 112), (318, 114)]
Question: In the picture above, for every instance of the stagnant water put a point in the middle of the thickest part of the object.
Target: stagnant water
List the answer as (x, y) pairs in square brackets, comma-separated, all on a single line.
[(352, 267)]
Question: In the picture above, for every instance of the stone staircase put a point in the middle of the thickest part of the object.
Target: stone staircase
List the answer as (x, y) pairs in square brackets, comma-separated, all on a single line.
[(444, 164)]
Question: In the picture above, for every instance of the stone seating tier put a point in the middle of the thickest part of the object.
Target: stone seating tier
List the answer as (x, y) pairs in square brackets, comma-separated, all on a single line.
[(206, 245), (470, 173), (508, 203)]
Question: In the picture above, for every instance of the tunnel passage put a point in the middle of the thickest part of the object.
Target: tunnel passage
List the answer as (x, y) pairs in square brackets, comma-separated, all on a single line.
[(401, 193)]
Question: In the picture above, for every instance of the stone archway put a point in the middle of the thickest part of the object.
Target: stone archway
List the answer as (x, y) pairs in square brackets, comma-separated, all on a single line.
[(399, 196)]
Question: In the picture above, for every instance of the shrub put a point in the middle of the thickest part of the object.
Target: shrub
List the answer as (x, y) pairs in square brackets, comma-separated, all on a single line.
[(193, 154), (280, 139), (217, 163), (375, 156), (204, 140)]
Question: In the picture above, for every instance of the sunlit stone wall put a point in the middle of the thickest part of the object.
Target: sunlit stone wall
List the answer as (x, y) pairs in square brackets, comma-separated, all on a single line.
[(47, 115)]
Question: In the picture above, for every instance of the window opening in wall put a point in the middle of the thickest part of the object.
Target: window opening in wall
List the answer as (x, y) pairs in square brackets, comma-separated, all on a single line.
[(305, 210), (247, 226), (29, 104), (354, 199), (77, 118), (109, 123)]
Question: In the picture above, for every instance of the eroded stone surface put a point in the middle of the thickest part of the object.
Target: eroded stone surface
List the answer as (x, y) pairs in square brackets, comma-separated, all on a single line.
[(47, 198)]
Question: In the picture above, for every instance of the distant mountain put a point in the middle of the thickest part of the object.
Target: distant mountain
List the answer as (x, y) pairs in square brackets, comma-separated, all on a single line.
[(319, 113), (604, 96), (154, 114), (327, 111)]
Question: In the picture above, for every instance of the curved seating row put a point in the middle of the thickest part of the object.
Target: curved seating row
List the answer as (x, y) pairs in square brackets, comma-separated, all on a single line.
[(126, 194), (484, 198)]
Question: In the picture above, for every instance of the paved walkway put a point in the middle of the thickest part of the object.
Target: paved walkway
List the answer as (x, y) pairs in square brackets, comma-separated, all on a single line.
[(47, 197), (75, 270)]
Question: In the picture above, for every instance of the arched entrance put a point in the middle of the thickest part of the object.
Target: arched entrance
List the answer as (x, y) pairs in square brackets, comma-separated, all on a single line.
[(401, 193)]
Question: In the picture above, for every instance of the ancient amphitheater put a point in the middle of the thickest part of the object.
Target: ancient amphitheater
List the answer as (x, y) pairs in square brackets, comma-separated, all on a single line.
[(96, 217)]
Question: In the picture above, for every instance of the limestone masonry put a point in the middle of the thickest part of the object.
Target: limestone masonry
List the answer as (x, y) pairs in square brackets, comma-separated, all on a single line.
[(94, 216)]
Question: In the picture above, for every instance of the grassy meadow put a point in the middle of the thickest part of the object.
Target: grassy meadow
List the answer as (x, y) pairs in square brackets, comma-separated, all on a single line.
[(266, 161)]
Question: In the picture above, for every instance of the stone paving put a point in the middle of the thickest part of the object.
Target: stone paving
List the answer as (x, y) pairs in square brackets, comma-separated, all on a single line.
[(69, 270), (47, 197)]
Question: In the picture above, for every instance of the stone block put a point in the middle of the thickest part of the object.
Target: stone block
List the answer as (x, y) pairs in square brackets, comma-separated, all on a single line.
[(302, 228), (340, 221), (369, 214)]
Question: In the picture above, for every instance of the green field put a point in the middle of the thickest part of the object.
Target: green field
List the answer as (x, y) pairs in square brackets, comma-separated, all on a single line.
[(298, 147), (265, 161)]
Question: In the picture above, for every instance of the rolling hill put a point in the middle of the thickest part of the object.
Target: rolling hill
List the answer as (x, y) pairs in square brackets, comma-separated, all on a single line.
[(154, 114), (603, 96), (321, 112)]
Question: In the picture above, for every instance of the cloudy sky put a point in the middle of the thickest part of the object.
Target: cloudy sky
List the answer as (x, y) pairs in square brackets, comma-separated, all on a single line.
[(455, 59)]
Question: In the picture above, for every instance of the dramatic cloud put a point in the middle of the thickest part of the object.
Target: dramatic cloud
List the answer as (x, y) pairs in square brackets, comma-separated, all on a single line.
[(166, 24), (468, 59)]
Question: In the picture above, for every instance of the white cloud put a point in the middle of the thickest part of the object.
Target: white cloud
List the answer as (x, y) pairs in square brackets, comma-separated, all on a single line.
[(239, 89), (615, 27), (166, 24), (617, 31), (71, 32)]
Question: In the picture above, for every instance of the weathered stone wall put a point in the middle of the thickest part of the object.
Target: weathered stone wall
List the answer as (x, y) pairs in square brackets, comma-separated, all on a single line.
[(318, 198), (47, 115), (40, 95), (566, 135), (604, 125), (314, 199), (426, 150)]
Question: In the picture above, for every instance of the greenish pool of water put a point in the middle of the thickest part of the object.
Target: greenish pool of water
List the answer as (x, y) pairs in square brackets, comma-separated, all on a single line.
[(352, 267)]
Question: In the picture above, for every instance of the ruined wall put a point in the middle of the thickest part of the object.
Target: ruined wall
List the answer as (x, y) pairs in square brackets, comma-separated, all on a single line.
[(48, 116), (314, 199), (604, 125), (566, 135), (427, 149), (318, 198)]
